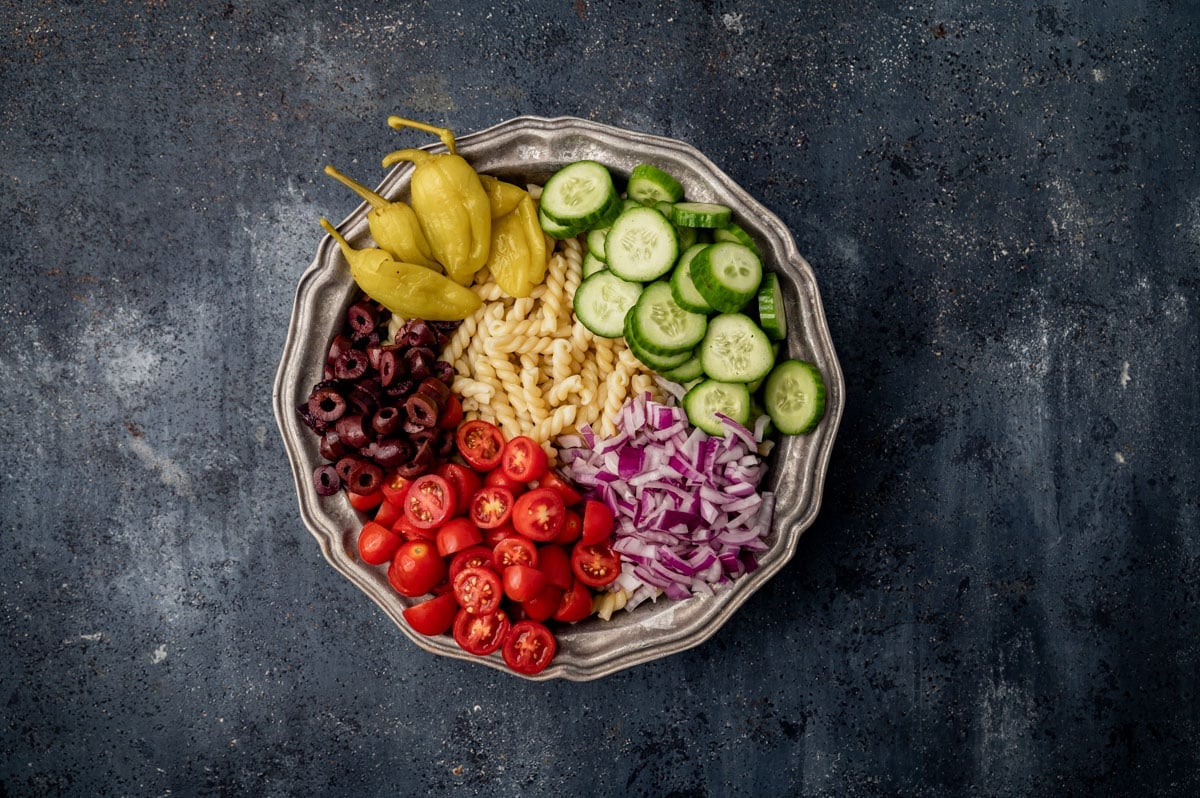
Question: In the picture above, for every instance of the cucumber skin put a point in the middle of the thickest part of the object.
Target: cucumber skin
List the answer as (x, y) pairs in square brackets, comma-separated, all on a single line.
[(783, 420)]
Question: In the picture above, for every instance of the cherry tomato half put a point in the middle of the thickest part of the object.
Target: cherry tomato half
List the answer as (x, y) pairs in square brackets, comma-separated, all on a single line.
[(491, 506), (539, 514), (464, 481), (452, 413), (480, 634), (404, 528), (457, 534), (572, 528), (529, 647), (523, 582), (514, 550), (433, 617), (597, 522), (596, 565), (376, 543), (364, 501), (543, 605), (394, 489), (575, 605), (523, 459), (388, 514), (499, 477), (480, 443), (478, 590), (416, 568), (429, 502), (496, 534), (565, 489), (474, 557), (555, 563)]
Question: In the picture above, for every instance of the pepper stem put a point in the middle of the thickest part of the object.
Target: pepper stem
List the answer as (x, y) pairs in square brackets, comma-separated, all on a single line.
[(414, 155), (342, 242), (447, 137), (376, 200)]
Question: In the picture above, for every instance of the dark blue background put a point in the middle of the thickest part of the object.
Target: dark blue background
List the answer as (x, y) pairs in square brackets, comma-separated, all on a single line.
[(1002, 205)]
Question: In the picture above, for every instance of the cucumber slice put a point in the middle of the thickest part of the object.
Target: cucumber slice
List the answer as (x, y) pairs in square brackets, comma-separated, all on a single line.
[(735, 349), (795, 397), (690, 370), (580, 195), (727, 275), (651, 360), (709, 397), (602, 301), (771, 316), (701, 214), (648, 184), (682, 288), (642, 245), (555, 230), (595, 241), (661, 326), (591, 264), (735, 233)]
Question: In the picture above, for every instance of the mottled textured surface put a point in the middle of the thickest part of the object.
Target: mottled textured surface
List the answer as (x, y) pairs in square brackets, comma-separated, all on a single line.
[(1000, 596)]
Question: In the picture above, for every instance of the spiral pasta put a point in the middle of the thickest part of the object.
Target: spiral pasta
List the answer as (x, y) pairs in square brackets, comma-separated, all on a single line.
[(528, 365)]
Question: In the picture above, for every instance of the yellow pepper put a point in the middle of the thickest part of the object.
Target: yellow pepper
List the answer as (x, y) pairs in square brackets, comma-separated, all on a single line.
[(393, 225), (408, 290), (518, 253), (502, 197), (450, 204)]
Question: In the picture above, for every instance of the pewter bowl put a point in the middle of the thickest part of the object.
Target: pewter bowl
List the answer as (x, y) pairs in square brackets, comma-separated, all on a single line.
[(528, 150)]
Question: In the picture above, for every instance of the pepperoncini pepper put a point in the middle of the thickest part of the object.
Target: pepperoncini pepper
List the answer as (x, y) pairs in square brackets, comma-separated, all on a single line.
[(502, 197), (518, 255), (393, 225), (408, 290), (450, 203)]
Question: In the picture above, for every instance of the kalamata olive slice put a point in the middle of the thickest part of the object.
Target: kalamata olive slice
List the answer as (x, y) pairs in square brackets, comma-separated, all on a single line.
[(365, 477), (361, 401), (346, 464), (420, 362), (332, 447), (401, 387), (422, 409), (315, 424), (444, 371), (362, 318), (445, 445), (390, 452), (419, 334), (391, 366), (352, 429), (436, 390), (327, 404), (386, 420), (340, 344), (326, 480), (351, 364)]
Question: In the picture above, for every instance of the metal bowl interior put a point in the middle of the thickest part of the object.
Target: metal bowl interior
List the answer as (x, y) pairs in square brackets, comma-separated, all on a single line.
[(528, 150)]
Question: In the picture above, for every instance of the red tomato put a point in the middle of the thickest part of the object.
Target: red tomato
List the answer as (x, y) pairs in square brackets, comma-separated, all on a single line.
[(597, 522), (515, 550), (493, 536), (529, 647), (365, 501), (464, 481), (523, 582), (388, 514), (575, 605), (539, 514), (555, 563), (456, 535), (452, 413), (416, 568), (433, 617), (571, 529), (395, 488), (481, 444), (480, 634), (491, 506), (429, 502), (543, 605), (523, 459), (376, 543), (478, 590), (565, 489), (498, 477), (596, 565), (474, 557), (404, 528)]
